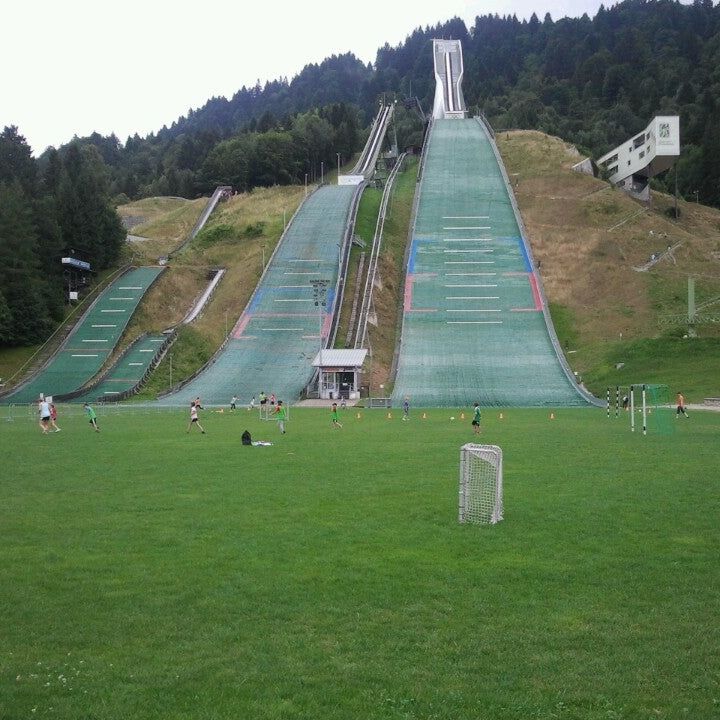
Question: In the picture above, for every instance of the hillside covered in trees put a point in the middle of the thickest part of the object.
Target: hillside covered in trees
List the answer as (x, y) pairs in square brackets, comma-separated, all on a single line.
[(44, 216), (592, 81)]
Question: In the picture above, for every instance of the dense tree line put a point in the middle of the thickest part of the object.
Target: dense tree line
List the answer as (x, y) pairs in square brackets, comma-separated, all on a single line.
[(592, 81), (44, 216)]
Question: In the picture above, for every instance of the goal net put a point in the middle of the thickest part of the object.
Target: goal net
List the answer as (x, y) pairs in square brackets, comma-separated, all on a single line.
[(481, 498), (660, 412)]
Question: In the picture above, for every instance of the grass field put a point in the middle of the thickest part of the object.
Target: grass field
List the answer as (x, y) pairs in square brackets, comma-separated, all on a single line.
[(148, 573)]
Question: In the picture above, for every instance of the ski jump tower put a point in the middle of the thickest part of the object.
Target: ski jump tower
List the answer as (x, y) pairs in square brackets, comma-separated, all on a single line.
[(449, 100)]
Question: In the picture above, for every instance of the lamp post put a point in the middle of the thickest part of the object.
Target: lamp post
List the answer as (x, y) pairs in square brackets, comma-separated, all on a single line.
[(226, 323), (305, 184), (697, 196), (322, 172), (338, 157), (170, 357)]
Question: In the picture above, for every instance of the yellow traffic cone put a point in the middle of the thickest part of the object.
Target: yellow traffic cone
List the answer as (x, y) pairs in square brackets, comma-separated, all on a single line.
[(424, 417), (389, 416), (359, 416), (501, 416)]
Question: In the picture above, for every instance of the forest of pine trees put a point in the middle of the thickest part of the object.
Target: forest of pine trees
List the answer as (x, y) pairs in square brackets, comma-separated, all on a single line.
[(594, 82), (45, 216)]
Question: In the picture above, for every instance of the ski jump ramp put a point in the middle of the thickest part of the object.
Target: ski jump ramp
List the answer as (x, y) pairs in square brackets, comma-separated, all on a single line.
[(475, 322), (475, 325), (272, 345)]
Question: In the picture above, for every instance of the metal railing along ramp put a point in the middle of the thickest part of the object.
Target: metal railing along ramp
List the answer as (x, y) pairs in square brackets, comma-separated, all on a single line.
[(92, 341), (474, 323), (272, 345)]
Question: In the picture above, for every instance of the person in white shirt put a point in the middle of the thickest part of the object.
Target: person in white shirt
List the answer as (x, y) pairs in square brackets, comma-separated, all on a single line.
[(194, 417), (44, 410)]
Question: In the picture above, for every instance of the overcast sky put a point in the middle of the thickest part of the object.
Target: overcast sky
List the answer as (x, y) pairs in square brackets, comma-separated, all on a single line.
[(76, 66)]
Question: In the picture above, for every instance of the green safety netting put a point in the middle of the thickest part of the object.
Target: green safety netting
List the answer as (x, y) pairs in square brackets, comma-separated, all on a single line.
[(127, 372), (473, 326), (92, 341), (274, 342)]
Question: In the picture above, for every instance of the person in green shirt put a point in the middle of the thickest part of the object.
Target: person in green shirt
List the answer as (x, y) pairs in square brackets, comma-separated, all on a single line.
[(334, 416), (92, 417), (281, 416), (476, 420)]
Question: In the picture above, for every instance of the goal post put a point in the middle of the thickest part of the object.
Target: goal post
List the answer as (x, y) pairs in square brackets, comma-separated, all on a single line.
[(481, 493)]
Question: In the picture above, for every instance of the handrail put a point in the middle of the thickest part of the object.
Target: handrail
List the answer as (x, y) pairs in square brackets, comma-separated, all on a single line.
[(343, 265), (375, 254)]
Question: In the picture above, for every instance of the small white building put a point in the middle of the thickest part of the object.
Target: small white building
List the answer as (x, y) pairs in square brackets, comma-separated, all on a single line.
[(632, 164), (340, 372)]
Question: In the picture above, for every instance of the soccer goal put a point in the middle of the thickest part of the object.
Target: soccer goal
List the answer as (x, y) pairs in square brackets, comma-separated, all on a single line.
[(481, 496)]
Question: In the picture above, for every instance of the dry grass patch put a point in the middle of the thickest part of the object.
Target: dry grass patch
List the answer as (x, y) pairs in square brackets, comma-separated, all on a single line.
[(388, 295), (586, 238), (166, 223)]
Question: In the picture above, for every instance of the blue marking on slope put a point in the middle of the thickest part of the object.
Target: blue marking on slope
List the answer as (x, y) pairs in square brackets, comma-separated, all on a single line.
[(330, 306), (523, 252), (411, 259), (255, 301)]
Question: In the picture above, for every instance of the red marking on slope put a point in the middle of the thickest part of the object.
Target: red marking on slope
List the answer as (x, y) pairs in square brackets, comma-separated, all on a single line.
[(240, 326), (408, 293), (536, 292)]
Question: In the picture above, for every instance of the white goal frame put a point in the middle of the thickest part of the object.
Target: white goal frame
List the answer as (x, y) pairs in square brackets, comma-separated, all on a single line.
[(481, 484)]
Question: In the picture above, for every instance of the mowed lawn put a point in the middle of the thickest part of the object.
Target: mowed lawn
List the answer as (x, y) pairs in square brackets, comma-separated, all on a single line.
[(148, 573)]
